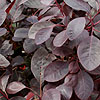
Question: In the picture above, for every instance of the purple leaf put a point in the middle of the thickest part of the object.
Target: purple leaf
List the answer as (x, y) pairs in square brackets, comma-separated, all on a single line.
[(43, 35), (62, 51), (2, 31), (2, 16), (78, 5), (21, 33), (29, 45), (89, 53), (79, 39), (46, 2), (73, 67), (15, 87), (3, 3), (3, 61), (34, 4), (60, 39), (65, 91), (52, 94), (85, 85), (18, 60), (39, 61), (3, 82), (37, 26), (71, 80), (32, 19), (75, 27), (56, 71)]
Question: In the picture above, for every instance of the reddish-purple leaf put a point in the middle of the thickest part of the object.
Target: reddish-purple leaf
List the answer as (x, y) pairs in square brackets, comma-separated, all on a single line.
[(39, 61), (73, 67), (42, 35), (60, 39), (75, 27), (65, 91), (85, 85), (2, 31), (3, 82), (78, 5), (56, 71), (52, 94), (3, 15), (3, 61), (15, 87), (37, 26), (71, 80), (62, 51), (89, 53)]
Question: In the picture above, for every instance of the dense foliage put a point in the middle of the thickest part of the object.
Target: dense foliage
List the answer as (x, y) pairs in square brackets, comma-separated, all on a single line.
[(49, 49)]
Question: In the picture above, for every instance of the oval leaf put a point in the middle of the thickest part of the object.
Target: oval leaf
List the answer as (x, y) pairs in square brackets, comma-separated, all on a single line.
[(89, 53), (46, 2), (21, 33), (3, 61), (39, 61), (15, 87), (52, 94), (2, 31), (85, 85), (60, 39), (42, 35), (37, 26), (65, 91), (56, 71), (2, 16), (75, 27), (78, 5)]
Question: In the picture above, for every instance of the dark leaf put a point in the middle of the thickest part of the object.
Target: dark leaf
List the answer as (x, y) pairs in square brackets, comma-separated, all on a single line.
[(15, 87), (85, 85), (17, 61), (75, 27), (56, 71), (18, 98), (89, 53), (52, 94)]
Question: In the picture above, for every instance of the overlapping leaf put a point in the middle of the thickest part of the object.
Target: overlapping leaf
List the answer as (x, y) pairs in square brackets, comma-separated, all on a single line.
[(89, 53)]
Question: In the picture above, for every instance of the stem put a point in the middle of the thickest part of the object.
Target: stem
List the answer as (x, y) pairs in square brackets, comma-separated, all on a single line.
[(59, 7), (34, 93), (97, 22), (40, 86), (4, 95)]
